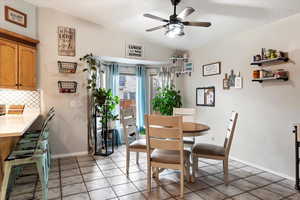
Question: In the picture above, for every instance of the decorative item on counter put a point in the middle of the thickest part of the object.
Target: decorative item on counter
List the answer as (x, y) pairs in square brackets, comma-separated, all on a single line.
[(271, 54), (257, 58), (67, 86), (263, 54), (67, 67), (231, 79), (226, 82), (238, 81)]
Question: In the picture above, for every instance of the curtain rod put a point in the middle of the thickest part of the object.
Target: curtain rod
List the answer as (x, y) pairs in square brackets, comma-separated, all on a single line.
[(105, 63)]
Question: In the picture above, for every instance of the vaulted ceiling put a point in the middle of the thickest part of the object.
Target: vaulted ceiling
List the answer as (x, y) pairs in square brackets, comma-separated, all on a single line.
[(227, 16)]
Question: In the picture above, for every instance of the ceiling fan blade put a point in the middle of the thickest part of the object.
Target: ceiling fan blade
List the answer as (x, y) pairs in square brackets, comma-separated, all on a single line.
[(155, 17), (203, 24), (186, 12), (156, 28)]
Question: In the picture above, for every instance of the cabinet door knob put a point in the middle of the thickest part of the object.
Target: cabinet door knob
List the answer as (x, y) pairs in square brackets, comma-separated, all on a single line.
[(20, 84), (17, 84)]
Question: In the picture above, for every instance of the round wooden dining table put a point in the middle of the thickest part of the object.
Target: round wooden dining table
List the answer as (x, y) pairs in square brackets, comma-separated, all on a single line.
[(194, 129)]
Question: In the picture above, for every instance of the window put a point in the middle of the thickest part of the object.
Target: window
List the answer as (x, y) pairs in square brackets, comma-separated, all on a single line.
[(127, 90)]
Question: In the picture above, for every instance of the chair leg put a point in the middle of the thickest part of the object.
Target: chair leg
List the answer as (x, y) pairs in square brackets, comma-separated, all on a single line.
[(149, 174), (41, 165), (127, 162), (6, 169), (182, 183), (194, 167), (137, 158), (188, 167), (156, 174), (225, 168)]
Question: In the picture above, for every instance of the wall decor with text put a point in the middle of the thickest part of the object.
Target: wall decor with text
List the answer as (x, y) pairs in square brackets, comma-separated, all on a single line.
[(134, 50), (211, 69), (66, 41), (205, 96), (14, 16)]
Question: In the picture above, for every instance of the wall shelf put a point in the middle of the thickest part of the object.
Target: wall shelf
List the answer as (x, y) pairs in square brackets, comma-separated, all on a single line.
[(271, 61), (260, 80)]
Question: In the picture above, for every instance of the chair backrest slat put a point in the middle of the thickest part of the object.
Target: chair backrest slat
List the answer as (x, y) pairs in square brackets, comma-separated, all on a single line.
[(230, 131), (128, 121), (164, 132), (188, 114)]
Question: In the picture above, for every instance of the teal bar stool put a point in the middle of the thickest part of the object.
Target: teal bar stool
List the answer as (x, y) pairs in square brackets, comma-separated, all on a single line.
[(35, 152)]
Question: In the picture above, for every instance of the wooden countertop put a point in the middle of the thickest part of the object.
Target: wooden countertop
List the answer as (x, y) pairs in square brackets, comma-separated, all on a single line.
[(16, 125)]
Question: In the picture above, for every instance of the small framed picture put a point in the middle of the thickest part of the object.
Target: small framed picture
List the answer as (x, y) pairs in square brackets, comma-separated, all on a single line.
[(211, 69), (205, 96), (14, 16), (188, 67)]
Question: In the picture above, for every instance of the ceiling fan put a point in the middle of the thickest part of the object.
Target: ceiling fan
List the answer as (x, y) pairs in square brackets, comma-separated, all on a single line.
[(175, 24)]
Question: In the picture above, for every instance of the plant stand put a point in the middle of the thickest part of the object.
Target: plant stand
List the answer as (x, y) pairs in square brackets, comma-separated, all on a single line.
[(297, 145), (104, 139)]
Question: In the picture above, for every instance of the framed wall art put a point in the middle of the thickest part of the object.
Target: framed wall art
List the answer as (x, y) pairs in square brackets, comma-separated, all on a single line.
[(66, 41), (16, 17), (205, 96), (211, 69), (134, 50)]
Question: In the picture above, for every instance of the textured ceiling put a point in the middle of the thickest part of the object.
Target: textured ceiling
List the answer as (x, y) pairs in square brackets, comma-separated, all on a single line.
[(227, 16)]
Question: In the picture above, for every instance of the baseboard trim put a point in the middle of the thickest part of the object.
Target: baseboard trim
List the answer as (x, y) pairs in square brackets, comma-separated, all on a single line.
[(83, 153), (263, 168)]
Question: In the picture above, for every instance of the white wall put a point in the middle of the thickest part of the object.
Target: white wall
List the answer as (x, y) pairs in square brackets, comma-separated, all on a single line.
[(70, 125), (24, 7), (266, 111)]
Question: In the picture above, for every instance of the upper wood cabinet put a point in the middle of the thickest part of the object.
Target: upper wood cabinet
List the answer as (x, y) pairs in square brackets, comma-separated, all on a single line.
[(27, 75), (8, 64), (17, 61)]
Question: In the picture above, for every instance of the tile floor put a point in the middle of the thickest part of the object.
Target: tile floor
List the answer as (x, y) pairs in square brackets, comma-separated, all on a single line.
[(98, 178)]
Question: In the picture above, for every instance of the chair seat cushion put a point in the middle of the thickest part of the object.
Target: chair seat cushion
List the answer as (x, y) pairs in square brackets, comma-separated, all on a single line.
[(168, 156), (208, 149), (138, 144)]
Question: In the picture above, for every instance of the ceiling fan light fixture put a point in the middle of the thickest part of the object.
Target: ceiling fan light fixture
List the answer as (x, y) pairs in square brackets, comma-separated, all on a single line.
[(174, 30)]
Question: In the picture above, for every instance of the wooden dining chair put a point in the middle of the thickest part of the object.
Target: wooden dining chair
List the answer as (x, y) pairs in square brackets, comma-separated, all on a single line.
[(210, 151), (188, 115), (165, 147), (132, 139)]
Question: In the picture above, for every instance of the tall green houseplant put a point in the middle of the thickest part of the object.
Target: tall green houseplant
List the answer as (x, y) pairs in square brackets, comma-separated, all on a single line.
[(166, 99), (101, 96)]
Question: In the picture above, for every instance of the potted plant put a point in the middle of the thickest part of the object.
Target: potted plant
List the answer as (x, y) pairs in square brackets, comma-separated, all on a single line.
[(166, 99), (105, 102)]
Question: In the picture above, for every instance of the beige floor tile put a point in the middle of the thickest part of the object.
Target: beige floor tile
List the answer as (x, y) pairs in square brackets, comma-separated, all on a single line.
[(157, 194), (86, 170), (265, 194), (125, 189), (294, 197), (137, 176), (190, 196), (243, 185), (27, 196), (70, 172), (174, 189), (92, 176), (53, 193), (198, 185), (134, 196), (259, 181), (142, 184), (228, 190), (71, 180), (97, 184), (118, 180), (102, 194), (73, 189), (245, 196), (210, 180), (281, 190), (81, 196), (112, 172), (211, 194), (270, 177)]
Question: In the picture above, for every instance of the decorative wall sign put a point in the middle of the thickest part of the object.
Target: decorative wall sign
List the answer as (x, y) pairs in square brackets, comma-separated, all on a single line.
[(211, 69), (205, 96), (232, 79), (66, 41), (134, 51), (14, 16)]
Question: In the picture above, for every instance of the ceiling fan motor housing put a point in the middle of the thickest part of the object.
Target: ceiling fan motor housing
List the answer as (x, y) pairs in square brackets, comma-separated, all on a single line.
[(175, 2)]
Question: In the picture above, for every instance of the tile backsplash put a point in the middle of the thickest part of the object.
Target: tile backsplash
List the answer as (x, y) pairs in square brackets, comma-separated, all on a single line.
[(31, 99)]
